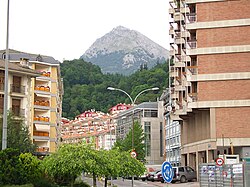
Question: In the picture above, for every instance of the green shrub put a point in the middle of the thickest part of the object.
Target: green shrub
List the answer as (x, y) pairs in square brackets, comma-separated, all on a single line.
[(44, 182), (18, 168)]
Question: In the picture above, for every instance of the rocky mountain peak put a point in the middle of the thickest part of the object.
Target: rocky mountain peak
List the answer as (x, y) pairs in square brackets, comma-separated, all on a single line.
[(124, 49)]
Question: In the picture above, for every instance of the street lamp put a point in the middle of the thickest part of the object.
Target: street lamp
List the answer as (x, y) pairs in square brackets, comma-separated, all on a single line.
[(5, 112), (133, 101), (133, 104)]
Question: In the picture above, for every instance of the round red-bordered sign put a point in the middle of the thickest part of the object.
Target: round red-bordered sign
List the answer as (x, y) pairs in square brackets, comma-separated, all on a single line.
[(219, 161), (133, 154)]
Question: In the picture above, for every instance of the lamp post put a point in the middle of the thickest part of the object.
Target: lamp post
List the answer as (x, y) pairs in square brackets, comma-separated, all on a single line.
[(133, 104), (5, 112)]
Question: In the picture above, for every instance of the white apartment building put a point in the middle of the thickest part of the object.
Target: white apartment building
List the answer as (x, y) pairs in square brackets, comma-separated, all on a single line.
[(150, 116)]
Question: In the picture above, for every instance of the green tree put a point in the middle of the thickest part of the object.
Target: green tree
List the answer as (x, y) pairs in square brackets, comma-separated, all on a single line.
[(72, 159), (18, 136), (63, 166), (86, 86), (126, 144)]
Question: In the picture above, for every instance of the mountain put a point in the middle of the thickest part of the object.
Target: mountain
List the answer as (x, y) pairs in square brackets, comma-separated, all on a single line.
[(124, 51)]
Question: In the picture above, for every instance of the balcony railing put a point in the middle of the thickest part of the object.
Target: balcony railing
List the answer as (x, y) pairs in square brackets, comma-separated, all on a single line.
[(192, 44), (41, 118), (193, 96), (17, 89), (42, 88), (42, 149), (40, 133), (42, 103), (191, 17), (193, 69)]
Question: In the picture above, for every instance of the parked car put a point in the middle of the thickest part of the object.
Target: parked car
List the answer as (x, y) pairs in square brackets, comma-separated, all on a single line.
[(184, 174), (146, 175), (158, 177), (151, 175)]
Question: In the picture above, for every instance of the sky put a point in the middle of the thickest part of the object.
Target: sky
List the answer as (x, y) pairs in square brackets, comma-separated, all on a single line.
[(65, 29)]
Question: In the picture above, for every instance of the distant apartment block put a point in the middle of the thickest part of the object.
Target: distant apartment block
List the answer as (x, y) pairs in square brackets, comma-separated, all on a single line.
[(93, 127), (210, 77), (43, 95), (150, 116), (90, 127)]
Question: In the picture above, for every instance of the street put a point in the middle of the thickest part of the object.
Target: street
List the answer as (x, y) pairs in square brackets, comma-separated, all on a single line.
[(138, 183)]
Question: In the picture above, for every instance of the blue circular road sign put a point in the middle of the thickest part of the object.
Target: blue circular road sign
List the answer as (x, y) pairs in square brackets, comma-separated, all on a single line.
[(167, 172)]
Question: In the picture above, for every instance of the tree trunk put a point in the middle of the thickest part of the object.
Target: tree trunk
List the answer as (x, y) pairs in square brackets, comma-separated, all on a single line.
[(94, 180), (106, 182)]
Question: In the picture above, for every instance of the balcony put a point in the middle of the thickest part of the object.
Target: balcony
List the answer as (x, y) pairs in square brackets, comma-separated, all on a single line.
[(179, 40), (192, 44), (42, 149), (41, 119), (42, 88), (185, 10), (41, 134), (193, 96), (171, 30), (17, 89), (179, 64), (173, 73), (178, 17), (191, 17), (193, 69), (172, 52), (43, 103), (185, 34), (171, 10), (46, 73)]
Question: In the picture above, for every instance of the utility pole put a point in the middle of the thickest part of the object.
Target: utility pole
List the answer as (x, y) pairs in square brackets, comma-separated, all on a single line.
[(5, 112)]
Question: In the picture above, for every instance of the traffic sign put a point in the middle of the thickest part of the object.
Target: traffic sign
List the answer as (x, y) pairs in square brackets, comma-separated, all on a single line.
[(219, 161), (167, 172), (133, 154)]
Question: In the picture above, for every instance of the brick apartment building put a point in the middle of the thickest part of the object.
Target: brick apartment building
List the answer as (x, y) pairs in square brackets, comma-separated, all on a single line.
[(210, 77)]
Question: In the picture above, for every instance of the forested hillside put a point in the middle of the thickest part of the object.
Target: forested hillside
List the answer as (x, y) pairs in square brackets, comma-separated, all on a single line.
[(85, 86)]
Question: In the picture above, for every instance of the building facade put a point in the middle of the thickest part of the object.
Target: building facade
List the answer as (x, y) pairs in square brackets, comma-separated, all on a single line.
[(44, 97), (173, 133), (19, 88), (210, 76), (150, 116)]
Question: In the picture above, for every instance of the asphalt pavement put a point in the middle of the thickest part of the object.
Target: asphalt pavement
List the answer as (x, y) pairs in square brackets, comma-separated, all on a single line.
[(138, 183)]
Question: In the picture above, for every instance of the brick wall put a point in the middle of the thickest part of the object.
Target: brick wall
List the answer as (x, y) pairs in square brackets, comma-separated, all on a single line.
[(223, 36), (224, 90), (215, 11), (233, 122), (223, 63)]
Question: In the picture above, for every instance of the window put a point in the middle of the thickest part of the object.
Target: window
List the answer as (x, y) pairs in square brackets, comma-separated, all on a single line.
[(147, 135), (161, 139), (189, 169), (181, 169), (16, 87), (1, 103), (16, 103), (150, 113)]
